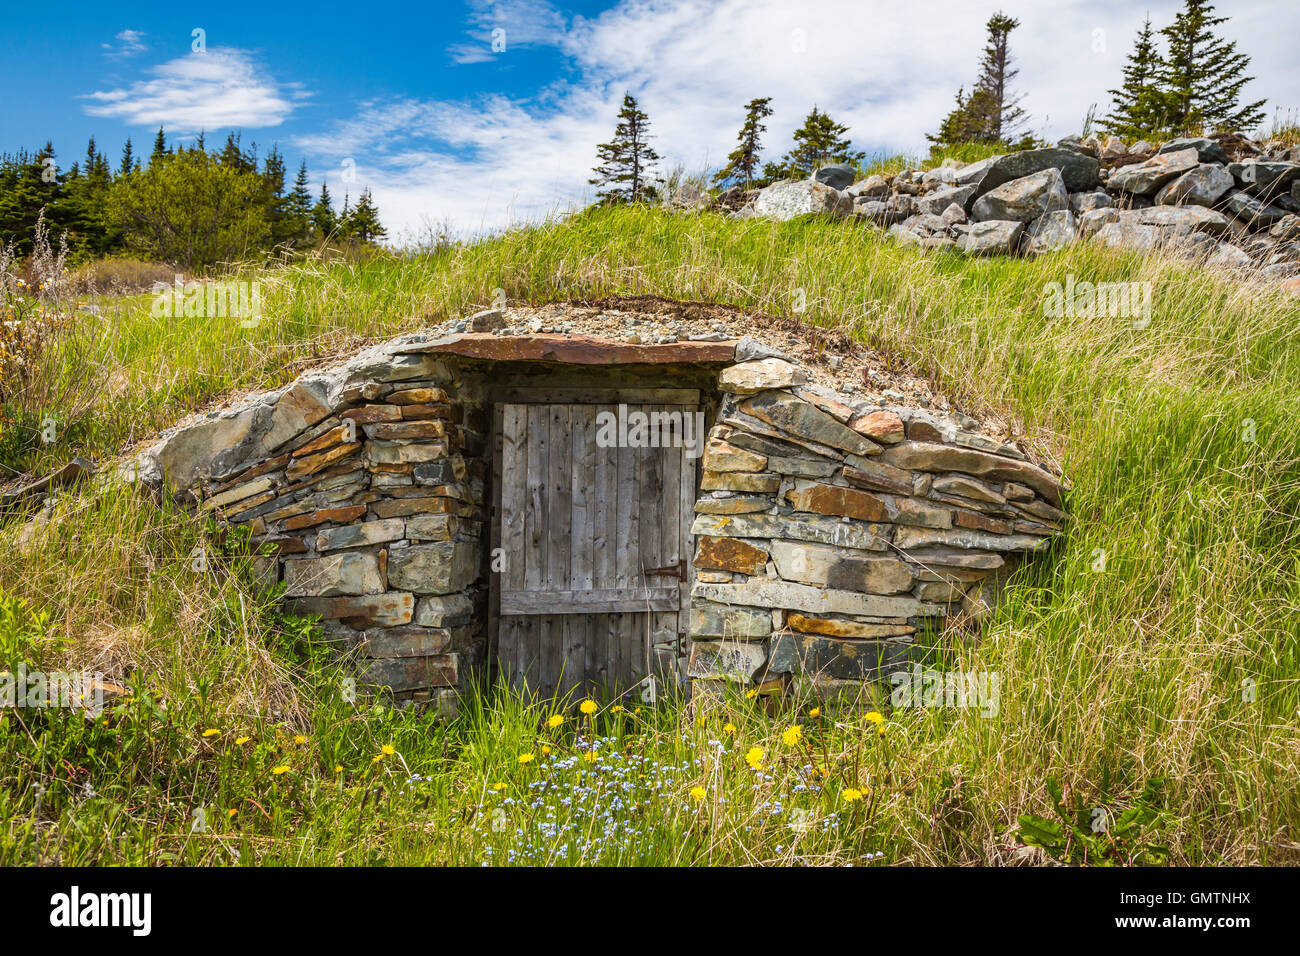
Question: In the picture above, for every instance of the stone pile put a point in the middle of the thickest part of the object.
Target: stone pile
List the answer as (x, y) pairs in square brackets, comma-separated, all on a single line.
[(1222, 201)]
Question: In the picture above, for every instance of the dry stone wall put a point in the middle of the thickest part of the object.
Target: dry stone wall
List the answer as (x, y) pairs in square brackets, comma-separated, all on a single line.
[(829, 528)]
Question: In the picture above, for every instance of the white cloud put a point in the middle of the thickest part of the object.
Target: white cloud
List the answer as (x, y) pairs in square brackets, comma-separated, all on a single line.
[(886, 71), (513, 24), (130, 42), (219, 88)]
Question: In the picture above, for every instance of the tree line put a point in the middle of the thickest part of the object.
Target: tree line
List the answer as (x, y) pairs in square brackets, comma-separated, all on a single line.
[(1195, 86), (189, 206)]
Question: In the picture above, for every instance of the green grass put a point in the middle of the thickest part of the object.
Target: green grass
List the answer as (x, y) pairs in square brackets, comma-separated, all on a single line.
[(1173, 656)]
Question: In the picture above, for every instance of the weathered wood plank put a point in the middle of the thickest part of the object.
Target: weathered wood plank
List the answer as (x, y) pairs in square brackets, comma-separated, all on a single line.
[(591, 601)]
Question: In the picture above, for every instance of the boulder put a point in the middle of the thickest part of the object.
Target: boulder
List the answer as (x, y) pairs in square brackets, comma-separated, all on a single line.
[(1024, 199), (836, 175), (1086, 202), (904, 236), (1202, 185), (1228, 257), (1207, 150), (1145, 179), (873, 187), (786, 200), (879, 212), (1265, 178), (1129, 235), (747, 378), (939, 200), (1080, 171), (1090, 222), (1181, 219), (1053, 230), (1253, 212), (992, 237)]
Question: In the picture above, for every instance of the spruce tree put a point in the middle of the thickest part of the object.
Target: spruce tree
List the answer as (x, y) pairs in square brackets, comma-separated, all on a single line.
[(159, 147), (323, 220), (1202, 75), (297, 208), (742, 162), (128, 159), (992, 113), (818, 142), (362, 223), (625, 162), (997, 73), (1138, 107)]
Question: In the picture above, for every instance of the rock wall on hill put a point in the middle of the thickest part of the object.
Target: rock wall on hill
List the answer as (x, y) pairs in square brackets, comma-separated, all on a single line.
[(839, 509)]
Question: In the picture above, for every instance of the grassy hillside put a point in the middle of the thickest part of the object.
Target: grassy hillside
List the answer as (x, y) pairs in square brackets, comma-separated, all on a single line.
[(1158, 640)]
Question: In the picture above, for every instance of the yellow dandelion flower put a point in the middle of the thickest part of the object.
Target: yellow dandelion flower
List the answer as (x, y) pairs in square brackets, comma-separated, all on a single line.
[(387, 750), (875, 718), (554, 721), (240, 741), (754, 757), (751, 694), (498, 786), (588, 707), (815, 713), (231, 812), (211, 732), (850, 795), (525, 758), (376, 758), (728, 728), (546, 749), (338, 768), (589, 756), (791, 735), (283, 768), (698, 794), (299, 739), (880, 731), (616, 709)]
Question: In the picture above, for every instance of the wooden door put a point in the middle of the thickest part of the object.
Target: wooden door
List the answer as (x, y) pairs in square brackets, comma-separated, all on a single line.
[(596, 546)]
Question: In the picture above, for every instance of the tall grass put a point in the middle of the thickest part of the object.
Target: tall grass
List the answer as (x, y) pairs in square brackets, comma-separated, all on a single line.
[(1158, 639)]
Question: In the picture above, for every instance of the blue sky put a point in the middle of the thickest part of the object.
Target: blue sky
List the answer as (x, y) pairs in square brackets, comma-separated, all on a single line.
[(412, 100)]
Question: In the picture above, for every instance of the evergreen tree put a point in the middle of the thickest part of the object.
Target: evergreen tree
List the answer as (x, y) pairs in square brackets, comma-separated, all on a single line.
[(968, 122), (323, 220), (625, 161), (1138, 108), (362, 222), (997, 73), (1202, 75), (991, 113), (233, 156), (296, 222), (818, 142), (742, 162), (128, 159), (159, 147)]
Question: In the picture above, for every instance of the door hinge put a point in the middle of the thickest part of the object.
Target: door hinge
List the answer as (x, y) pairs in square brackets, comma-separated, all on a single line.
[(678, 569)]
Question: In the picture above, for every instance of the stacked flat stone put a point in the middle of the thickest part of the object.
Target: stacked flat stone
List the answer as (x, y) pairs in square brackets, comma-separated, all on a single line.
[(830, 530), (363, 487)]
